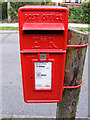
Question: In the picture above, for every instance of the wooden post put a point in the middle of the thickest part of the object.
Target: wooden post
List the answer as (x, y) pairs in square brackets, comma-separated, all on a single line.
[(75, 59)]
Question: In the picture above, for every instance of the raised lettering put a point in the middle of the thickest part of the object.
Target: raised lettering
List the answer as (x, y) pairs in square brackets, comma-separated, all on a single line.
[(37, 16), (44, 41), (36, 42), (57, 17), (45, 17), (26, 16), (61, 17), (29, 17), (33, 16)]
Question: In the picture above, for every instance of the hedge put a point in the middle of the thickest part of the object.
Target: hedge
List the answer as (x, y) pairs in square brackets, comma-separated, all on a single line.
[(13, 10), (86, 12), (80, 14), (4, 10), (76, 14)]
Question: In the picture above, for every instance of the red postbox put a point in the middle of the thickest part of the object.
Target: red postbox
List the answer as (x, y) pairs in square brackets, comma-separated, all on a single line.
[(43, 44)]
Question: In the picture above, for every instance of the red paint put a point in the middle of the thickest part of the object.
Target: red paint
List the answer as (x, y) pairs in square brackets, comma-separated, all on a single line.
[(38, 28), (70, 52), (69, 36), (77, 81), (73, 87), (78, 46)]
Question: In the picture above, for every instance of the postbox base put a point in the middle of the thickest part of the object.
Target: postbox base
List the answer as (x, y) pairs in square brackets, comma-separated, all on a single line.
[(42, 101)]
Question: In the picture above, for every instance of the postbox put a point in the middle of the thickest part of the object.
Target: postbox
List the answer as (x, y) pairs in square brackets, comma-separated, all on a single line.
[(43, 44)]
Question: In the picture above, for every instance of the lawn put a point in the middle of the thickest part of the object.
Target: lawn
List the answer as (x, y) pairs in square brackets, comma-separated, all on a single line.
[(16, 28), (9, 28), (83, 29)]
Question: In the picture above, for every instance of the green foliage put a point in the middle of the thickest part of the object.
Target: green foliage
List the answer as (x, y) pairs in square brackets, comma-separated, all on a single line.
[(16, 28), (86, 12), (9, 28), (80, 14), (63, 5), (13, 10), (83, 29), (4, 10), (75, 14)]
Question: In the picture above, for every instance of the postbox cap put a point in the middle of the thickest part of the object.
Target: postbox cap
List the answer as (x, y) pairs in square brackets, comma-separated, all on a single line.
[(43, 7)]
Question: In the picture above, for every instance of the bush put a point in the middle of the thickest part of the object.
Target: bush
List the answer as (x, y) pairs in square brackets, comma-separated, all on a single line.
[(86, 10), (80, 14), (4, 10), (75, 14), (62, 5), (13, 10)]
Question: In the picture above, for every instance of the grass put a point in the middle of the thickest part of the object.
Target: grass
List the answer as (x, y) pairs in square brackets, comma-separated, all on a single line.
[(83, 29), (16, 28), (9, 28)]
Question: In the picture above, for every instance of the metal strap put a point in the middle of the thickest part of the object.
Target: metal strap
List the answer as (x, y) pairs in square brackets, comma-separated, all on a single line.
[(78, 45), (73, 87)]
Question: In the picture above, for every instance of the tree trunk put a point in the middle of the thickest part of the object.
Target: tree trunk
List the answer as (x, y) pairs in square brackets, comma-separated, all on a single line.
[(8, 6), (75, 59)]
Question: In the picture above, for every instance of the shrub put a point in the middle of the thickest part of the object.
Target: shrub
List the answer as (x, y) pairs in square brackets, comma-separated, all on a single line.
[(13, 10), (80, 14), (4, 10), (85, 13), (75, 14), (63, 5)]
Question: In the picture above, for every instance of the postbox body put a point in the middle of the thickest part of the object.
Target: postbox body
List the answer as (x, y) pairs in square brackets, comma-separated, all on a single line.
[(43, 41)]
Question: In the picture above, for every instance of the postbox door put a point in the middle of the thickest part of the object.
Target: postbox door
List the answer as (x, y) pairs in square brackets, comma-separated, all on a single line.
[(48, 87)]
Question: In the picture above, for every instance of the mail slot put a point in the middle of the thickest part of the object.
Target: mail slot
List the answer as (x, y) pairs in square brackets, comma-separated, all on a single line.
[(43, 44)]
